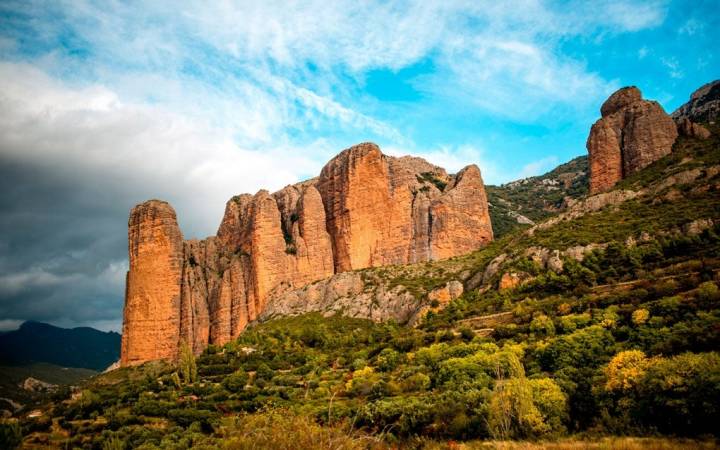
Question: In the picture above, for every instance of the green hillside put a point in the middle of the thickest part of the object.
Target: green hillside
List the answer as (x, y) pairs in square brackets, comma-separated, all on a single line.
[(622, 341), (536, 198)]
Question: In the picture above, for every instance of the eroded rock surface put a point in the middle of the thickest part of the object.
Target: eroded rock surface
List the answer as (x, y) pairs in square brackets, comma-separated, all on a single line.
[(632, 134), (704, 105), (151, 320), (688, 128), (365, 209)]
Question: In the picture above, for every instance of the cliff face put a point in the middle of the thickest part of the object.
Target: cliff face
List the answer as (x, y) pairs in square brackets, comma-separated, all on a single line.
[(364, 210), (632, 134)]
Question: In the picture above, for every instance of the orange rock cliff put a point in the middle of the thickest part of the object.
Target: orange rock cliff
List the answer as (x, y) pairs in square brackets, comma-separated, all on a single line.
[(365, 209)]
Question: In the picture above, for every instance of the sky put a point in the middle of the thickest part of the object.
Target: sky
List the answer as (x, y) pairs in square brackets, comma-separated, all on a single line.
[(106, 104)]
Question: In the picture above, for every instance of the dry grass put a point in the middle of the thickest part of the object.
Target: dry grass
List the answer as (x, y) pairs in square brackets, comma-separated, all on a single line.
[(611, 443), (283, 430)]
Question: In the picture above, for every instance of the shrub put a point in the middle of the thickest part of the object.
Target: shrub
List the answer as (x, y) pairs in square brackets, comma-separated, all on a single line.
[(542, 325), (416, 382), (708, 291), (114, 443), (388, 360), (640, 316), (10, 434)]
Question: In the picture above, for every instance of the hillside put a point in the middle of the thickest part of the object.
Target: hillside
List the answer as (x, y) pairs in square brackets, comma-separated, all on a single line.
[(81, 347), (521, 203), (600, 320)]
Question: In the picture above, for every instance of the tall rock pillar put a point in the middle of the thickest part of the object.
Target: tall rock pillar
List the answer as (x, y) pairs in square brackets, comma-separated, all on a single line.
[(151, 320)]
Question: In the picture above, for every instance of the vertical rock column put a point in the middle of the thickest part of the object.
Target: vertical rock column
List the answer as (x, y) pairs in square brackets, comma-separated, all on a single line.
[(151, 320), (355, 190)]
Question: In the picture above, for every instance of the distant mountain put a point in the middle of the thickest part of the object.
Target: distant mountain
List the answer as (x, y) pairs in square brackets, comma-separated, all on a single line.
[(81, 347)]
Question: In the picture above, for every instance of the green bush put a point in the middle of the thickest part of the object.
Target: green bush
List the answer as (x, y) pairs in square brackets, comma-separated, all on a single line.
[(236, 382), (10, 434)]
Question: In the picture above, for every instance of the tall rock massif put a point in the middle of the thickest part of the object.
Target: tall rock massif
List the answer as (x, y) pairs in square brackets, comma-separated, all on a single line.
[(632, 134), (365, 209)]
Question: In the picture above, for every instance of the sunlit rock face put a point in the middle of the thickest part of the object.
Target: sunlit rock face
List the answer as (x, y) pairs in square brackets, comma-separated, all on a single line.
[(632, 134), (151, 322), (365, 209)]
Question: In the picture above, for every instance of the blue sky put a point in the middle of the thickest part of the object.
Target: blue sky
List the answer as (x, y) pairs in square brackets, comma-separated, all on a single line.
[(110, 103)]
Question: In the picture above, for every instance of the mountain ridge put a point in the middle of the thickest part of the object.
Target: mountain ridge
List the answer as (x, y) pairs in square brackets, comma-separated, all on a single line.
[(80, 347)]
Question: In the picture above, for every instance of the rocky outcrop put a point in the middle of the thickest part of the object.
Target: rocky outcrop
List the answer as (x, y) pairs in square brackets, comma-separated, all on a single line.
[(632, 134), (346, 294), (691, 129), (365, 209), (703, 107)]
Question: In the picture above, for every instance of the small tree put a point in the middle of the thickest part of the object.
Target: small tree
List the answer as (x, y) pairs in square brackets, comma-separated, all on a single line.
[(187, 363)]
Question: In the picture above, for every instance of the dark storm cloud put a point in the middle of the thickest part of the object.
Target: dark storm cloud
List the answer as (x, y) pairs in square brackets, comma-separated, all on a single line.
[(63, 247), (73, 162)]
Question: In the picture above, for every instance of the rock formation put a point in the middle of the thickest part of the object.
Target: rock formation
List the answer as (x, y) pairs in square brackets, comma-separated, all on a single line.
[(365, 209), (632, 134), (704, 105)]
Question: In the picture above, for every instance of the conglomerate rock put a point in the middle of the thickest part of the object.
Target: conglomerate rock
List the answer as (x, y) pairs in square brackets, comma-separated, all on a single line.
[(704, 105), (365, 209), (688, 128), (632, 134), (151, 320)]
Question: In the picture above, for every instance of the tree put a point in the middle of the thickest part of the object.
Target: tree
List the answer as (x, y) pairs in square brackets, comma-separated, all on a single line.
[(626, 370), (640, 316), (522, 408), (388, 359), (187, 364)]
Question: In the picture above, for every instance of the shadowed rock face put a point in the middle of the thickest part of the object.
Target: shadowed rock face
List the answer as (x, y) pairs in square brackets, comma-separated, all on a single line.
[(704, 105), (632, 134), (365, 209)]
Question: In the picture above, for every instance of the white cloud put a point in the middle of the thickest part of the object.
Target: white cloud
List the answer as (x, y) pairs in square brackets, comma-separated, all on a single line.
[(673, 66), (538, 167), (691, 27), (13, 283), (140, 151)]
